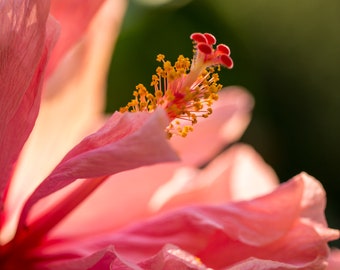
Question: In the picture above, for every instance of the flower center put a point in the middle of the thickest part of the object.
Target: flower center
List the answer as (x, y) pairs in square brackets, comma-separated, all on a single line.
[(187, 89)]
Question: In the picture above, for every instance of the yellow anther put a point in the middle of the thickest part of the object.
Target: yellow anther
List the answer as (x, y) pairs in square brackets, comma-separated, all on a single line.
[(180, 94), (158, 94), (169, 95), (160, 57)]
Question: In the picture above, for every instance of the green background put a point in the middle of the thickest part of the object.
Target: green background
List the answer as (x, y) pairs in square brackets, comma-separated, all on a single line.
[(286, 53)]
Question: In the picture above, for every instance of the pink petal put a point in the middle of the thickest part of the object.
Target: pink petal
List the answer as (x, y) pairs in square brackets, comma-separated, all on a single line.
[(334, 260), (313, 205), (251, 175), (125, 142), (314, 200), (169, 258), (72, 109), (168, 186), (231, 115), (74, 17), (172, 257), (115, 196), (103, 259), (26, 44), (193, 228), (263, 264), (237, 174), (298, 248), (268, 230)]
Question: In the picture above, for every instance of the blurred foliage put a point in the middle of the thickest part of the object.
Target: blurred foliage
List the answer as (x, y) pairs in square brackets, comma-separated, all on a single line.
[(286, 53)]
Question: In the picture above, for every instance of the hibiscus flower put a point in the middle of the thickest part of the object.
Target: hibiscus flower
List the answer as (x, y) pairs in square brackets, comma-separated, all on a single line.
[(100, 203)]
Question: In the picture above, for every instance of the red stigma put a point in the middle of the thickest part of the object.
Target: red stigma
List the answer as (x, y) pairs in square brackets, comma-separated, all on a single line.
[(204, 48), (226, 61), (223, 49), (198, 38), (211, 40)]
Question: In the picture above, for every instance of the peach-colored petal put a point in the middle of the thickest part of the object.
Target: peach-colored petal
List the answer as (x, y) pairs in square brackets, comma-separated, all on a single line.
[(74, 17), (103, 259), (334, 260), (126, 141), (170, 185), (314, 200), (264, 264), (237, 174), (300, 247), (251, 176), (113, 198), (268, 230), (231, 115), (169, 257), (71, 112), (172, 257), (238, 220), (27, 35), (313, 205)]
